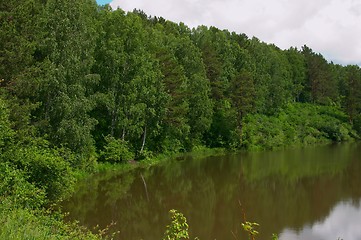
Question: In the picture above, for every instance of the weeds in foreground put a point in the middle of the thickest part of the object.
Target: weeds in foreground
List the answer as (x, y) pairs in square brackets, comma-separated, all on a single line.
[(178, 228), (250, 227), (106, 233)]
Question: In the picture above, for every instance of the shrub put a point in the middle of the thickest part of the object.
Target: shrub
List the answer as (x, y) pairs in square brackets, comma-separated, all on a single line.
[(297, 124), (17, 191), (22, 223), (45, 168), (116, 150), (178, 228)]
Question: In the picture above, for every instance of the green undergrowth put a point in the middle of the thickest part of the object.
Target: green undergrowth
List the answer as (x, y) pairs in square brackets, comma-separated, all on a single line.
[(299, 124), (27, 211), (24, 223), (151, 160)]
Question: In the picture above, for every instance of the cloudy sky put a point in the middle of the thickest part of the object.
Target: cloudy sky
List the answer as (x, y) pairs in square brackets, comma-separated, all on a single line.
[(331, 27)]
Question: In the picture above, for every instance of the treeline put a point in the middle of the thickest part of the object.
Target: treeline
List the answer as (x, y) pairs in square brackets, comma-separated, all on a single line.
[(83, 77)]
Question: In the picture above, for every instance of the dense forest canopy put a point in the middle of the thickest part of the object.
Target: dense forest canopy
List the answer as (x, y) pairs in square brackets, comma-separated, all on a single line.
[(81, 83), (83, 76)]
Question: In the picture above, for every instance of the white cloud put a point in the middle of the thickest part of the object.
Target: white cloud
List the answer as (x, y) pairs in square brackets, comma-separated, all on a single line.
[(343, 222), (331, 27)]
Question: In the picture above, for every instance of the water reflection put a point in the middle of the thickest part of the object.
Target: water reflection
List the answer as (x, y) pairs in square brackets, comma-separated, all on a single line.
[(280, 190), (342, 223)]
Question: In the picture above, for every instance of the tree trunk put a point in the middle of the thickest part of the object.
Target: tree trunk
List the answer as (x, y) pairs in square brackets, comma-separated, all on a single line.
[(123, 134), (112, 125), (144, 137), (240, 126)]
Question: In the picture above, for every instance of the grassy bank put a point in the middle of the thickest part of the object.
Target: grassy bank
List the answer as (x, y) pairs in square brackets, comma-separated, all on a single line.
[(152, 160)]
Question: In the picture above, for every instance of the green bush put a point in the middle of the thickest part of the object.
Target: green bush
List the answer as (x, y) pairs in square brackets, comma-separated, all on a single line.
[(116, 151), (145, 155), (15, 189), (178, 228), (22, 223), (45, 168), (297, 124)]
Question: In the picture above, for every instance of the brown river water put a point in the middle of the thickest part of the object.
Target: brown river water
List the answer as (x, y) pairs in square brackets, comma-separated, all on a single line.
[(298, 194)]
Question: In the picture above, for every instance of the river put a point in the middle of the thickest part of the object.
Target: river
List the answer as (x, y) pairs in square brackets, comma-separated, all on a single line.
[(298, 194)]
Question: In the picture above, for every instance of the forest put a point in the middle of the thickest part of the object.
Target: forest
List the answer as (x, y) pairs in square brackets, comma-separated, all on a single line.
[(82, 84)]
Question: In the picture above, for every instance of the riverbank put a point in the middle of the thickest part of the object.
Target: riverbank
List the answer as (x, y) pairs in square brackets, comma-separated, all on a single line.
[(296, 126), (197, 152)]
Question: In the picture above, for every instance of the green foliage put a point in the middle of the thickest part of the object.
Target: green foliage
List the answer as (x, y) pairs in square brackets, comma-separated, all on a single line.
[(224, 128), (22, 223), (298, 124), (18, 37), (131, 100), (178, 228), (6, 133), (351, 90), (357, 124), (58, 77), (45, 168), (297, 71), (83, 72), (116, 151), (320, 83), (15, 189), (274, 236), (250, 228), (145, 155)]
